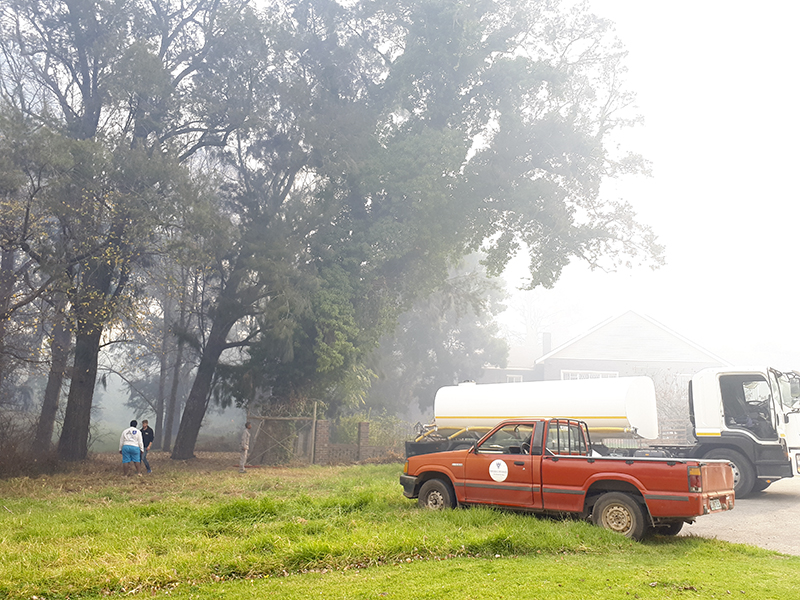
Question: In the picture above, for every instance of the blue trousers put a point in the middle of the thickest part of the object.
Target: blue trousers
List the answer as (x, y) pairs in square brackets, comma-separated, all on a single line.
[(144, 460)]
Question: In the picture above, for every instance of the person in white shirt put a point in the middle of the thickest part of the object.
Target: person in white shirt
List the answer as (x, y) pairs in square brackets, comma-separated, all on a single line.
[(131, 448)]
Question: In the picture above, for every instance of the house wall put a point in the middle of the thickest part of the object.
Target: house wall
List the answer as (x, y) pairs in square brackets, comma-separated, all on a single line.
[(552, 368), (497, 375)]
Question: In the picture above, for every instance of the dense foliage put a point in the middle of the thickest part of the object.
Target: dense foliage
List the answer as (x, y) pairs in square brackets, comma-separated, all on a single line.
[(253, 194)]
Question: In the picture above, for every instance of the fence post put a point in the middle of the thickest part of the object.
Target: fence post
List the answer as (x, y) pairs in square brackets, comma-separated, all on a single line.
[(314, 434), (322, 442), (363, 439)]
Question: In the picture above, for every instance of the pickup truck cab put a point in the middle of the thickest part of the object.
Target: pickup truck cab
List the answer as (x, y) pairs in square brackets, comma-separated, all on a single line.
[(547, 466)]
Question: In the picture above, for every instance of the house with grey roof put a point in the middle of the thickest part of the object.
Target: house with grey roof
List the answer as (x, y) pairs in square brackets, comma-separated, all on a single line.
[(626, 345)]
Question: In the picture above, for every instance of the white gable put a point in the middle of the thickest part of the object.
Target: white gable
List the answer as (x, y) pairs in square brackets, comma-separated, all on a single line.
[(632, 337)]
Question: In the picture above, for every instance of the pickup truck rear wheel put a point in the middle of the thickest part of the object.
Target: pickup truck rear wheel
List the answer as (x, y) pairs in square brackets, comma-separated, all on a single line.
[(436, 495), (621, 513), (744, 477)]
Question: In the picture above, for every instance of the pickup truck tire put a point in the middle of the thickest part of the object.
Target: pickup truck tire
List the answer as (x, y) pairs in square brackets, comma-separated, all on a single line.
[(435, 494), (620, 512), (744, 477)]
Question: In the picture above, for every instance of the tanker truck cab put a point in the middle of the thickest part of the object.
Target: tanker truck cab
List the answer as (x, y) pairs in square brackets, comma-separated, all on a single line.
[(788, 385), (750, 417)]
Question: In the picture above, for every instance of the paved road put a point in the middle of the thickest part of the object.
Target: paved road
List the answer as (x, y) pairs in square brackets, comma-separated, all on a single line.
[(770, 519)]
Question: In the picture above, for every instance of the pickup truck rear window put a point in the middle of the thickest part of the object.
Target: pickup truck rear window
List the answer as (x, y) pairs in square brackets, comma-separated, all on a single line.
[(565, 437)]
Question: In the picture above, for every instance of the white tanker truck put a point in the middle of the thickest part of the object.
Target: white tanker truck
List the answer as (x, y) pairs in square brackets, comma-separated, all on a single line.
[(748, 416)]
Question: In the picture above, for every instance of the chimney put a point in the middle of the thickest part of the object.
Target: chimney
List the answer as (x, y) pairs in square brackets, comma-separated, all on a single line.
[(547, 343)]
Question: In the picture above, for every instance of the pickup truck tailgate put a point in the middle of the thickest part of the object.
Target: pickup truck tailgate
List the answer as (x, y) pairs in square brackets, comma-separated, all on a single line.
[(717, 486), (717, 476)]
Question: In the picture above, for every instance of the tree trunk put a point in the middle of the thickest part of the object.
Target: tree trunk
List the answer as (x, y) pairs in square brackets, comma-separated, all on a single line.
[(7, 277), (163, 372), (228, 311), (176, 369), (197, 402), (91, 312), (73, 444), (173, 398), (162, 384), (59, 353)]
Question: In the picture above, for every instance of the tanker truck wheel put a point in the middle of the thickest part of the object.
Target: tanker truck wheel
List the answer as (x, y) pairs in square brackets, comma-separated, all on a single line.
[(744, 477), (621, 513), (435, 494)]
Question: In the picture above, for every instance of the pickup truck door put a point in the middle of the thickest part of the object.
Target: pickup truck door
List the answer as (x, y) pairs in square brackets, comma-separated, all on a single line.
[(565, 466), (501, 470)]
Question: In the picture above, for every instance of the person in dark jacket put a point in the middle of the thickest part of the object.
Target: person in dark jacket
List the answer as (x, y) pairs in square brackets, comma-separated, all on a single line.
[(147, 440)]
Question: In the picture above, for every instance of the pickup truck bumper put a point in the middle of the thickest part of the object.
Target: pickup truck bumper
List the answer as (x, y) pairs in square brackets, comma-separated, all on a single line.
[(690, 506), (717, 502), (409, 484)]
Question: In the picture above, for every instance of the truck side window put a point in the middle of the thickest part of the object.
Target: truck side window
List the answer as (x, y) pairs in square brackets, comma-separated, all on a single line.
[(747, 402), (510, 439), (564, 437)]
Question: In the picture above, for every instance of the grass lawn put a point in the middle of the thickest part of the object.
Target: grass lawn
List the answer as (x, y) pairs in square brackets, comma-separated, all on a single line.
[(199, 529)]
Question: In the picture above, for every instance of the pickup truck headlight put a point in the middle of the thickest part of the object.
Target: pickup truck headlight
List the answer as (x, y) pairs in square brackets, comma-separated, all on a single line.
[(405, 468)]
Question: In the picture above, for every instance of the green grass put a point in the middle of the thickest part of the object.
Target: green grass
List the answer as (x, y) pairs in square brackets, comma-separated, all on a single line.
[(201, 530)]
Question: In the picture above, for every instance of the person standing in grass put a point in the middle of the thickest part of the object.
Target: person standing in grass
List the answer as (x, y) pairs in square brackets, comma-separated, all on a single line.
[(131, 448), (245, 446), (147, 439)]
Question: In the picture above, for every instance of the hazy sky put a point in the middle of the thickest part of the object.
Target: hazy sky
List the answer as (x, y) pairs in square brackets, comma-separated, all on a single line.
[(718, 88)]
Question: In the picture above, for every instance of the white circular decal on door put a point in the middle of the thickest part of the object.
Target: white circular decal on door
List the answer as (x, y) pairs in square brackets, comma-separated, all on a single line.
[(498, 470)]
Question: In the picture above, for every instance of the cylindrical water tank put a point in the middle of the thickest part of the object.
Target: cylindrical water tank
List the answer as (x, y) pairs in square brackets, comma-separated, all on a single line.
[(625, 405)]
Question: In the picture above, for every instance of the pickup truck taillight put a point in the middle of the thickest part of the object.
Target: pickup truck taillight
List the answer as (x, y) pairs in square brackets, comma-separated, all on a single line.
[(695, 479)]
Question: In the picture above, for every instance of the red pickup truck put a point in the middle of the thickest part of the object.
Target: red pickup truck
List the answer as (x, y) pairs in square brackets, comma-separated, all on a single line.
[(547, 466)]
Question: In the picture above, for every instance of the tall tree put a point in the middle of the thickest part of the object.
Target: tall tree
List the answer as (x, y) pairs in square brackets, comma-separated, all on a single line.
[(388, 140), (31, 286), (122, 79), (358, 149)]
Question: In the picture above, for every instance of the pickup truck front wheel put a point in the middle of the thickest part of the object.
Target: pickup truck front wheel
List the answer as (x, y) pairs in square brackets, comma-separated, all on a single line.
[(436, 495), (621, 513)]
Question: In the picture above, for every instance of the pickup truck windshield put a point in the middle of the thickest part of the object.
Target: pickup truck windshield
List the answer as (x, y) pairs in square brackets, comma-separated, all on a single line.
[(511, 439)]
